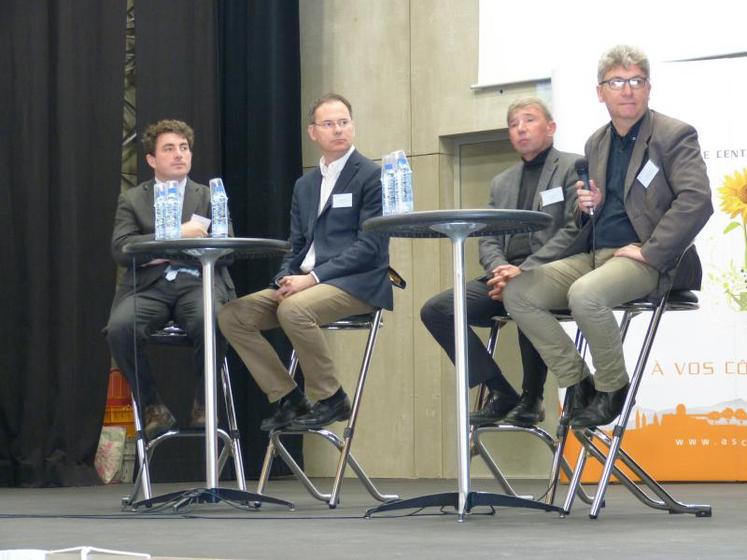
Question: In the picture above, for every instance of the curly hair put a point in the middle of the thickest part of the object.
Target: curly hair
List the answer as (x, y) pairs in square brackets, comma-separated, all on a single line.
[(151, 134)]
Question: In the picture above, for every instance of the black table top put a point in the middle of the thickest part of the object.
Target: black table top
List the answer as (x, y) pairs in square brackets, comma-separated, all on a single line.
[(239, 247), (495, 222)]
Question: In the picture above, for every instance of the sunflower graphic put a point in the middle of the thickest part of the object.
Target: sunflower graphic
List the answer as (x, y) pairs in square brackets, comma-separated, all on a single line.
[(733, 193)]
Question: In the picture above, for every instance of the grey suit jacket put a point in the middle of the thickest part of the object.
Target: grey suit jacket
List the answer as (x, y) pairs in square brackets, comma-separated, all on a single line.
[(546, 244), (669, 212), (134, 221), (346, 256)]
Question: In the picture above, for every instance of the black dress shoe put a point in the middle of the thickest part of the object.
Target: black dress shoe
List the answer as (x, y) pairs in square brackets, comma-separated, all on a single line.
[(322, 414), (581, 396), (529, 412), (285, 414), (605, 407), (158, 420), (496, 407)]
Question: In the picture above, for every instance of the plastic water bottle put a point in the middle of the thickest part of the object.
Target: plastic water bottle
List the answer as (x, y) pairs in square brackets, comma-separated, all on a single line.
[(172, 217), (159, 207), (219, 208), (388, 201), (403, 183)]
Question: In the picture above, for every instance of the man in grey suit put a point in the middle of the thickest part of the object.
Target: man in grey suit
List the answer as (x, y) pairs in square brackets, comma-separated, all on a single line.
[(334, 270), (648, 198), (543, 180), (164, 290)]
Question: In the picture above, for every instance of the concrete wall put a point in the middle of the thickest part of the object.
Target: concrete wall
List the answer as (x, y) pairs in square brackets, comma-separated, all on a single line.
[(407, 67)]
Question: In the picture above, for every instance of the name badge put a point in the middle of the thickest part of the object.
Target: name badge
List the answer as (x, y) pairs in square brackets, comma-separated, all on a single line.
[(202, 220), (551, 196), (648, 173), (344, 200)]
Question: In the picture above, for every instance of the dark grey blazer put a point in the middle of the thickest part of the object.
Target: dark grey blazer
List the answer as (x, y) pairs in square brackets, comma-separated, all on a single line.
[(669, 213), (346, 257), (134, 220), (546, 244)]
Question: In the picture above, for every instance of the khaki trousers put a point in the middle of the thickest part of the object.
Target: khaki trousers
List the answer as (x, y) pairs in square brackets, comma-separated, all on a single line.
[(300, 316), (590, 294)]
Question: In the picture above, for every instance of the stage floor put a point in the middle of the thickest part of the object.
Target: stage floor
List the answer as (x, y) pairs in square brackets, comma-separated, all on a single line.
[(65, 517)]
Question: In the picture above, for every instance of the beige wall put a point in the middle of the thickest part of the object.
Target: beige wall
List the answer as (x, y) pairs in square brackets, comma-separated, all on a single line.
[(407, 67)]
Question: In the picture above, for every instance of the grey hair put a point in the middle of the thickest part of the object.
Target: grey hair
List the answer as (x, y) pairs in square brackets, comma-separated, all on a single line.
[(625, 56), (525, 102)]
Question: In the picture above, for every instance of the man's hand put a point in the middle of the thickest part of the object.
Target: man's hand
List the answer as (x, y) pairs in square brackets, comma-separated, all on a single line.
[(290, 285), (632, 252), (193, 228), (588, 199), (501, 276)]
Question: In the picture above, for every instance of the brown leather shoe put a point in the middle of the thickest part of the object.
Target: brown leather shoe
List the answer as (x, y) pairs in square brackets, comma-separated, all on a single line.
[(158, 420), (197, 416)]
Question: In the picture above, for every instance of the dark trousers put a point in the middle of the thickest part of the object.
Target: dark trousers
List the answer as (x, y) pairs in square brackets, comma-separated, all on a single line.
[(438, 317), (179, 300)]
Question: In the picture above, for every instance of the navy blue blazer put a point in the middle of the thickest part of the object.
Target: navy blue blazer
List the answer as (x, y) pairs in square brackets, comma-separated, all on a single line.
[(346, 256)]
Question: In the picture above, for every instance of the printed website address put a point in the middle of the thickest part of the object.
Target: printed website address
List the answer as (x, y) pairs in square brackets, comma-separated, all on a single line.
[(704, 442)]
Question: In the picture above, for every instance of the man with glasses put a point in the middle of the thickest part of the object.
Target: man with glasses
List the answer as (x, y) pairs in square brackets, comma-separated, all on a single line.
[(334, 270), (647, 198)]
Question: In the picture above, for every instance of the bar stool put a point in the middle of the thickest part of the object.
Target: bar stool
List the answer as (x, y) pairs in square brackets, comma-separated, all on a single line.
[(173, 335), (372, 322), (556, 446), (675, 300)]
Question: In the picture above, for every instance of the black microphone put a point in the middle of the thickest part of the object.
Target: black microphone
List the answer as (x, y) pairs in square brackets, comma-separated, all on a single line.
[(582, 170)]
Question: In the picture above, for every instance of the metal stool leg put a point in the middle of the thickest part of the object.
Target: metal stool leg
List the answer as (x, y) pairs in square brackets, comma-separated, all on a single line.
[(276, 447), (622, 421), (233, 427), (266, 467), (272, 450), (142, 479), (350, 428)]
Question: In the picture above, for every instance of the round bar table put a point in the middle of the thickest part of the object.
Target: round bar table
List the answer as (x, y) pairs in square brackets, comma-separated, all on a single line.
[(207, 250), (458, 225)]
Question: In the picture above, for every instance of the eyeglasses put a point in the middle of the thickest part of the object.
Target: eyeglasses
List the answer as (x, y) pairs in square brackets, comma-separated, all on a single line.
[(617, 84), (329, 125)]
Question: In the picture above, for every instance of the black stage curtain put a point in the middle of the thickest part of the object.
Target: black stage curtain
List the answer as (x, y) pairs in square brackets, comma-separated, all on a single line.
[(60, 136), (260, 77), (231, 69)]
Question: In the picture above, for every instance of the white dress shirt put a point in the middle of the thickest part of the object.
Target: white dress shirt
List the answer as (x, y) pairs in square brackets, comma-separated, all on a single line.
[(330, 174)]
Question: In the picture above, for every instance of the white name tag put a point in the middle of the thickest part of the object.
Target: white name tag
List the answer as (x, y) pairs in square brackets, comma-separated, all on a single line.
[(205, 222), (551, 196), (344, 200), (648, 173)]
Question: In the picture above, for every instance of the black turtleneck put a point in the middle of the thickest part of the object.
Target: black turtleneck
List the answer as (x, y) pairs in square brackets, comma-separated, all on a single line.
[(518, 246)]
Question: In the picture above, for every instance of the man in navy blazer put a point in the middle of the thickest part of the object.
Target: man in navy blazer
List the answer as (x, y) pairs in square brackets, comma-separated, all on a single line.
[(334, 270), (164, 290)]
